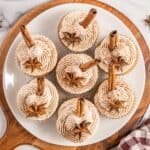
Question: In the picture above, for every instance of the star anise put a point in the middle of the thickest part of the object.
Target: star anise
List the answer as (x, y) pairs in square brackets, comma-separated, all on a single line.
[(71, 38), (32, 64), (116, 105), (72, 80), (35, 110), (82, 128), (147, 20), (119, 62)]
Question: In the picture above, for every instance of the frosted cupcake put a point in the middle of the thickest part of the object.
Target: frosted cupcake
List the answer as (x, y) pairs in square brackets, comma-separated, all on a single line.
[(118, 49), (77, 120), (114, 98), (38, 99), (35, 55), (77, 73), (78, 30)]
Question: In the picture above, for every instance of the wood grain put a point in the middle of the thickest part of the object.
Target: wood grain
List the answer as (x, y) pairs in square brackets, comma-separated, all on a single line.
[(17, 135)]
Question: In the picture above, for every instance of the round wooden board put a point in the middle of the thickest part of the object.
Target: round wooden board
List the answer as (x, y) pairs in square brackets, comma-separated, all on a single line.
[(16, 134)]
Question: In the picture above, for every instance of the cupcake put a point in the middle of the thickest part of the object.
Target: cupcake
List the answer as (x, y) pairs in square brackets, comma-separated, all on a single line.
[(77, 73), (118, 49), (77, 120), (78, 30), (38, 99), (114, 98), (35, 55)]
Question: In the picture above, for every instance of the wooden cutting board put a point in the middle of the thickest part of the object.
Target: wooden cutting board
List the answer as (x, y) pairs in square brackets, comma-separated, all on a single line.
[(16, 134)]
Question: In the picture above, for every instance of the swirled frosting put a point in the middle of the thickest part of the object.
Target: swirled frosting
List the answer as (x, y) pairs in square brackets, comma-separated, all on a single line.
[(70, 24), (35, 51), (79, 73), (45, 52), (27, 97), (125, 49), (71, 63), (122, 92), (67, 120), (45, 98)]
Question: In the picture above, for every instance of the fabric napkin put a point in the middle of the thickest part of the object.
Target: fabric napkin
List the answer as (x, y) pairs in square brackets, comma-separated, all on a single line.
[(139, 139)]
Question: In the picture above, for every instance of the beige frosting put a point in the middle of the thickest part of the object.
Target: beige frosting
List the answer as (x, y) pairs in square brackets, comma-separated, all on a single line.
[(125, 49), (45, 52), (122, 92), (71, 63), (27, 96), (67, 119), (70, 23), (38, 100), (34, 51), (77, 71)]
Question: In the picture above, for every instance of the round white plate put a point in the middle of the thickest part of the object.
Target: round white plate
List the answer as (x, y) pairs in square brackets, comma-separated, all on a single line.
[(46, 24)]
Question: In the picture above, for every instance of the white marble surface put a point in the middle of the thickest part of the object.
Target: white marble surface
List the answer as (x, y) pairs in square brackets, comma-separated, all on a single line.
[(11, 10), (134, 9)]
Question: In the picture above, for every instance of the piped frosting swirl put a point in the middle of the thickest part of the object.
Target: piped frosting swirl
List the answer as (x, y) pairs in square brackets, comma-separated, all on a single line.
[(71, 64), (125, 50), (44, 51), (68, 121), (71, 24), (122, 94), (27, 97)]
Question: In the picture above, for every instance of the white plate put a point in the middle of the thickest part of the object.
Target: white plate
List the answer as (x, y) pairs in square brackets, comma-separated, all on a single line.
[(46, 24)]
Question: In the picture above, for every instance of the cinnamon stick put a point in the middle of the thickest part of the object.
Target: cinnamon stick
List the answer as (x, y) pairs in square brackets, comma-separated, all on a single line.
[(40, 86), (88, 19), (89, 64), (26, 35), (80, 107), (111, 77), (113, 38)]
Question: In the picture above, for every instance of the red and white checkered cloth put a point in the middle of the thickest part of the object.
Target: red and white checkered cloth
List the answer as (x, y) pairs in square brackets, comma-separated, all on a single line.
[(139, 139)]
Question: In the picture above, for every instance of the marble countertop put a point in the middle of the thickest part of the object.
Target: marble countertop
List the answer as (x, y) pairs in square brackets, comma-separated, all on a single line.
[(11, 10), (137, 11)]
